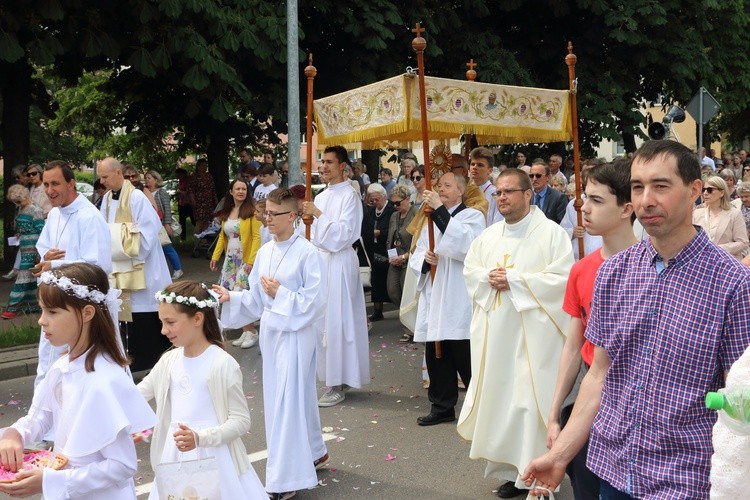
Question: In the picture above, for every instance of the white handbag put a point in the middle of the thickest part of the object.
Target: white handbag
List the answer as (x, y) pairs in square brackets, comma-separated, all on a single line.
[(189, 479), (365, 272)]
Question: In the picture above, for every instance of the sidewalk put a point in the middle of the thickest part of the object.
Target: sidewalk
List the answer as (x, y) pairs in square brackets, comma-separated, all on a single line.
[(21, 361)]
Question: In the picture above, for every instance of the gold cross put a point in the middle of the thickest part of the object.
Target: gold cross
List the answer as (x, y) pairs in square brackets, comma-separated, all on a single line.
[(418, 30), (504, 266), (471, 64)]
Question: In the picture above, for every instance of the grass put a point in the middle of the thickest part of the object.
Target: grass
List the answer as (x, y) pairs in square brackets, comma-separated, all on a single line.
[(19, 335)]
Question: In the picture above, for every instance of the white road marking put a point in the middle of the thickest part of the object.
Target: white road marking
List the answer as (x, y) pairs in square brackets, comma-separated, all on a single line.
[(145, 488)]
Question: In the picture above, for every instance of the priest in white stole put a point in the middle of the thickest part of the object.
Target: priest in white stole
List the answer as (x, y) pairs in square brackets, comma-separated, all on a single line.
[(287, 293), (139, 267), (444, 310), (516, 272)]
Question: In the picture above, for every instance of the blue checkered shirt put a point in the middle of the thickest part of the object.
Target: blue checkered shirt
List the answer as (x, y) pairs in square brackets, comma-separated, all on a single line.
[(670, 333)]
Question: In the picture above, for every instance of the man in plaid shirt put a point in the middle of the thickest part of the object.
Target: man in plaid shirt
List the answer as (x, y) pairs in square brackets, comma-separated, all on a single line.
[(669, 317)]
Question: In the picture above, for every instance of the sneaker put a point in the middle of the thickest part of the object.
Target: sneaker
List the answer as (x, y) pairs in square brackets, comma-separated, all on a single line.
[(281, 496), (332, 397), (10, 275), (319, 463), (9, 315), (238, 342), (250, 340), (177, 274)]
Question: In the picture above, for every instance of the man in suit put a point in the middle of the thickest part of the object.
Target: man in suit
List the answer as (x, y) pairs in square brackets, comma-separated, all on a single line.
[(550, 201)]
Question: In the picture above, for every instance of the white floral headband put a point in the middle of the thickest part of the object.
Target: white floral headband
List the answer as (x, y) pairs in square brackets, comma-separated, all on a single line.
[(84, 292), (172, 297)]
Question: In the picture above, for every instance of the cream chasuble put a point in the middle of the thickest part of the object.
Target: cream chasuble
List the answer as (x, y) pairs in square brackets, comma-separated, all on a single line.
[(516, 340)]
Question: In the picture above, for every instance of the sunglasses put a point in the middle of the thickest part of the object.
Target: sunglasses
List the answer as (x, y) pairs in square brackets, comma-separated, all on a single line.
[(536, 176), (710, 190), (416, 178), (396, 202), (131, 176), (32, 174)]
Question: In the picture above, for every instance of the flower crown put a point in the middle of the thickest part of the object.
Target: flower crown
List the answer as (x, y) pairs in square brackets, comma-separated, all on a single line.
[(85, 292), (171, 297)]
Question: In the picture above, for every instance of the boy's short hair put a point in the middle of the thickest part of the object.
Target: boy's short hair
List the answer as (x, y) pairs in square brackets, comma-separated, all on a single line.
[(284, 197), (266, 169)]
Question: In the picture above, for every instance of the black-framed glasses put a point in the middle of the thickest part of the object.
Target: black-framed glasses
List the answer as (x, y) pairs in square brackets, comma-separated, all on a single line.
[(396, 202), (416, 178), (274, 214), (536, 176), (710, 189), (32, 174), (506, 192)]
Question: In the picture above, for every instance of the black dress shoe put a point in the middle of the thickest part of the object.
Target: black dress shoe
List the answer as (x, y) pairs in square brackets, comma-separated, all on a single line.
[(376, 317), (436, 418), (509, 490)]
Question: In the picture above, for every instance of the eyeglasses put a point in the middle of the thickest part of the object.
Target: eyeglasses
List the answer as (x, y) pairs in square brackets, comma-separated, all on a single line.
[(710, 190), (536, 176), (416, 178), (274, 214), (396, 202), (131, 176), (506, 192), (32, 174)]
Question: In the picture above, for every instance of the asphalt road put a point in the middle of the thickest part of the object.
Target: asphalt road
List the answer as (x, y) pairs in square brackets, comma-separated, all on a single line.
[(377, 450)]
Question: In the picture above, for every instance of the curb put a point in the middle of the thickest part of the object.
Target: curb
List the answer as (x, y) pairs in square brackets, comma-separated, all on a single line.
[(17, 362)]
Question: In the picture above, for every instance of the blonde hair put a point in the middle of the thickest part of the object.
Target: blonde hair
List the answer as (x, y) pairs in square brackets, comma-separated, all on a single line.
[(157, 177), (718, 183), (17, 192)]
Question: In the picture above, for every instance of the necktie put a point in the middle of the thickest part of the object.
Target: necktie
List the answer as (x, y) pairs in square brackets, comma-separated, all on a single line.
[(538, 200)]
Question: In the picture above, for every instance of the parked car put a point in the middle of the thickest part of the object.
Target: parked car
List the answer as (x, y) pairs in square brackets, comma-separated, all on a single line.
[(170, 186), (86, 190)]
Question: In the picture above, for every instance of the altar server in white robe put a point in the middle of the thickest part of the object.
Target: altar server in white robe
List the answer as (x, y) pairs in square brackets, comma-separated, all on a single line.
[(343, 347), (75, 231), (139, 267), (516, 272), (480, 168), (287, 293), (444, 310)]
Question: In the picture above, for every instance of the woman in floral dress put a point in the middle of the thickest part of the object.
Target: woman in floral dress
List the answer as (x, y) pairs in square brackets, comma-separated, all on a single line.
[(29, 224), (240, 238)]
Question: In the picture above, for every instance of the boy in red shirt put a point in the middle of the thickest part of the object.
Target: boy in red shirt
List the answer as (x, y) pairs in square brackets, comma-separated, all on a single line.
[(607, 212)]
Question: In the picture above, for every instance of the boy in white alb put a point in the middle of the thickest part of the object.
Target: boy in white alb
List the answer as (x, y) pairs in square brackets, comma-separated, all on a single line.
[(343, 349), (286, 287)]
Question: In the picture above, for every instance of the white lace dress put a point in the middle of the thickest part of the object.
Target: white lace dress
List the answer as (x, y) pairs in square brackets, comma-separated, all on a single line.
[(730, 463)]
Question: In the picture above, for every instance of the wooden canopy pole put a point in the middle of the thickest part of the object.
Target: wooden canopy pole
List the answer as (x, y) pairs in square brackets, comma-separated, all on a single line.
[(419, 44), (471, 75), (570, 60), (310, 72)]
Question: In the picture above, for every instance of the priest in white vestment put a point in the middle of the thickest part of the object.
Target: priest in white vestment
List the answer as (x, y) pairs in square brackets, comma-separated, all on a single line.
[(139, 267), (516, 272), (287, 293), (75, 231), (343, 346), (444, 310)]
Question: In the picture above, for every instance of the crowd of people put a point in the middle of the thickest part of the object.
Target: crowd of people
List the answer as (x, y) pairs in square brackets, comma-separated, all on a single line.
[(595, 368)]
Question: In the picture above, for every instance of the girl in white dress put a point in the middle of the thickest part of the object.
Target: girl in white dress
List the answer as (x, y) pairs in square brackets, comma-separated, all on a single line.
[(200, 403), (87, 395)]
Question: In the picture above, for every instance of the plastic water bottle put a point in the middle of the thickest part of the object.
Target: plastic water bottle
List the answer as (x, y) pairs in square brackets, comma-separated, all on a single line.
[(735, 403)]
